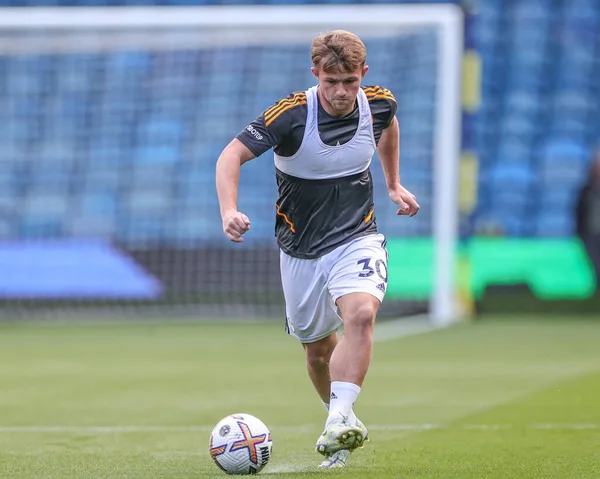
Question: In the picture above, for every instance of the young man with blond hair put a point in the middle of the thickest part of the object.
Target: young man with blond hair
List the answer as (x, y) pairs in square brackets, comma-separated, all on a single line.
[(332, 257)]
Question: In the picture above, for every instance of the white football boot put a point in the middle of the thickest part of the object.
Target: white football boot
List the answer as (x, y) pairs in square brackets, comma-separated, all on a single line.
[(341, 458), (340, 437), (338, 459)]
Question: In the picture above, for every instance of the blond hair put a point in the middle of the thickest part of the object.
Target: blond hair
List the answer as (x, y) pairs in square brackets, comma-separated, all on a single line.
[(338, 51)]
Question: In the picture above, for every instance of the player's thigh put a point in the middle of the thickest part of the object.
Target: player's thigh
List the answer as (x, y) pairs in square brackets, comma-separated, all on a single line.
[(361, 267), (311, 313)]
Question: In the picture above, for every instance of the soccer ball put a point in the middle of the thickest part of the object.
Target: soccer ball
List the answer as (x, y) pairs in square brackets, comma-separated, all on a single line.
[(240, 444)]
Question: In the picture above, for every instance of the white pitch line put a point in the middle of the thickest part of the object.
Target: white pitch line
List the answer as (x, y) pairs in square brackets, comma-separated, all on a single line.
[(305, 428), (573, 427), (403, 327)]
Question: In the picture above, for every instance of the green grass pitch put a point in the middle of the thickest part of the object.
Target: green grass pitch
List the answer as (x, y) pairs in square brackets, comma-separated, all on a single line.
[(500, 398)]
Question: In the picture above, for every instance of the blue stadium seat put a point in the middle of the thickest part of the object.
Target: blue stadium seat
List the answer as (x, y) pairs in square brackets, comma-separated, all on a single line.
[(574, 75), (158, 154), (165, 104), (516, 174), (90, 226), (191, 199), (514, 150), (97, 205), (572, 103), (39, 228), (562, 150), (528, 58), (129, 62), (73, 79), (532, 11), (98, 179), (582, 10), (49, 178), (9, 201), (509, 186), (564, 176), (111, 156), (568, 126), (147, 203), (555, 225), (151, 175), (525, 101), (142, 232), (519, 124), (61, 154), (514, 226), (558, 200), (8, 172), (192, 228), (563, 164), (160, 131), (45, 206), (7, 230), (75, 106)]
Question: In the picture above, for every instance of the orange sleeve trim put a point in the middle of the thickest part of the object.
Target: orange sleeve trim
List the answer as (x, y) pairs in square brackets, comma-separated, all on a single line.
[(370, 215), (378, 92), (291, 225), (284, 109), (277, 105), (282, 104)]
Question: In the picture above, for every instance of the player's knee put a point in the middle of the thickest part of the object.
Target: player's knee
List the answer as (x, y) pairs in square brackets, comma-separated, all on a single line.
[(360, 319)]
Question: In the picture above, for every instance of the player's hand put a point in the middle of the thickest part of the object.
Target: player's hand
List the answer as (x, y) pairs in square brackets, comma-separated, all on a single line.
[(235, 224), (405, 200)]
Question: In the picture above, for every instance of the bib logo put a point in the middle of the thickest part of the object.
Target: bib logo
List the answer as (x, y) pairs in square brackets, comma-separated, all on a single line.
[(254, 133)]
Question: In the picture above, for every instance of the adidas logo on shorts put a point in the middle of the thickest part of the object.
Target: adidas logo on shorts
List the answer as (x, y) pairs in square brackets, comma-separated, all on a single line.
[(381, 287)]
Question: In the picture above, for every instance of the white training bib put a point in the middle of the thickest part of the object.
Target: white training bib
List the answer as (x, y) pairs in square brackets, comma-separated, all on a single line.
[(315, 160)]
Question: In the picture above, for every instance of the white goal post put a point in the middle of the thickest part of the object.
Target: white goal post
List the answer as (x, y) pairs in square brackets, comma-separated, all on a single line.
[(259, 24)]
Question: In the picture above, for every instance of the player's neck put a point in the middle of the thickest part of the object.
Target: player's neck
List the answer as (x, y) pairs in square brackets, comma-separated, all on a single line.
[(330, 110)]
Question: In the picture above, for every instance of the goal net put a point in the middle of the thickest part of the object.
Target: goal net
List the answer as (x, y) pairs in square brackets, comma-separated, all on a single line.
[(112, 123)]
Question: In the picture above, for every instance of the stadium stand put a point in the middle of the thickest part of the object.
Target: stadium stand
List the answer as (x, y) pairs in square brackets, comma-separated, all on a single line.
[(142, 177)]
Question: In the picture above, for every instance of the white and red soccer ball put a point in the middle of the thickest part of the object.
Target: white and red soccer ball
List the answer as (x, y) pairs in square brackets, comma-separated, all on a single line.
[(240, 444)]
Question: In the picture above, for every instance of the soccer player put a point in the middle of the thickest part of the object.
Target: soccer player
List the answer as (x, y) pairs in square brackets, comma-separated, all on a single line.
[(332, 257)]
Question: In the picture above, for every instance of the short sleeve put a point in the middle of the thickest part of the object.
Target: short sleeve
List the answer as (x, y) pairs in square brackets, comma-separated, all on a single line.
[(273, 127)]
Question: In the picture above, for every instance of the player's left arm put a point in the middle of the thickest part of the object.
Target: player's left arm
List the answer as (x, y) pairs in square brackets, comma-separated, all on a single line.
[(388, 149)]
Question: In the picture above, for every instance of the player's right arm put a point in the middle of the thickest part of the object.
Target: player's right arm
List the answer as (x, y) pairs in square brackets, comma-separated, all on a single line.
[(265, 132), (235, 223)]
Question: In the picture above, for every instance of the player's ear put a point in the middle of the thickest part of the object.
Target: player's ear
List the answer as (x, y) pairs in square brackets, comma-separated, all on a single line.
[(365, 70), (315, 72)]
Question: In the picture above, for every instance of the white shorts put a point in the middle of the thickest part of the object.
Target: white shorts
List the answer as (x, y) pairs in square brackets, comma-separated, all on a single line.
[(312, 286)]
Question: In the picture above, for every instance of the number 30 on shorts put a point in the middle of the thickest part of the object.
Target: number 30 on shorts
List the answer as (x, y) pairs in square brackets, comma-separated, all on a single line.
[(368, 270)]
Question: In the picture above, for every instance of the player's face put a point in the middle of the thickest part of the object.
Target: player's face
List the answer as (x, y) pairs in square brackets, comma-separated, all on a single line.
[(338, 90)]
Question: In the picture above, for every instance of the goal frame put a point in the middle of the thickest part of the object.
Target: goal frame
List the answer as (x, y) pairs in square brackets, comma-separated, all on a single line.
[(447, 19)]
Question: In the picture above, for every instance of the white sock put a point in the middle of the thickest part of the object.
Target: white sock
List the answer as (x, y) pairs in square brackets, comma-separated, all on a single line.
[(351, 418), (343, 397)]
